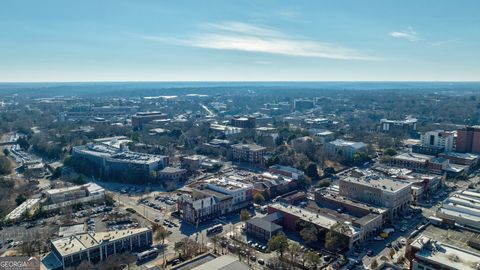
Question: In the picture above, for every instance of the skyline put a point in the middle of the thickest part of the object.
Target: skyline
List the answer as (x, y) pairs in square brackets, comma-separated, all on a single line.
[(128, 41)]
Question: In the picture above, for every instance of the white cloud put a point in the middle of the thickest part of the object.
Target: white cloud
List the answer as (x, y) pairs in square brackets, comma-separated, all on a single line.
[(408, 34), (239, 36)]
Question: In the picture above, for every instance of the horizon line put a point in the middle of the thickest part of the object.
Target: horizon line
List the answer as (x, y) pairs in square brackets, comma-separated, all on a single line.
[(246, 81)]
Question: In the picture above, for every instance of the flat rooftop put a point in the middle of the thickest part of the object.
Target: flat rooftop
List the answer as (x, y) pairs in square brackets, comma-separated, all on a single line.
[(250, 147), (383, 183), (309, 216), (457, 236), (445, 254), (343, 143), (76, 243), (413, 157), (348, 201)]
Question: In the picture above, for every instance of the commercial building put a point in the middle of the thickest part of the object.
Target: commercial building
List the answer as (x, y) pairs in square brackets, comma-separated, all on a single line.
[(273, 184), (395, 195), (172, 173), (287, 171), (324, 136), (197, 162), (226, 131), (88, 112), (213, 198), (293, 216), (468, 140), (114, 158), (467, 159), (345, 150), (251, 153), (27, 208), (266, 136), (303, 104), (420, 162), (216, 147), (225, 262), (265, 227), (404, 126), (243, 121), (369, 219), (142, 118), (62, 197), (302, 144), (94, 247), (462, 208), (440, 139), (427, 253)]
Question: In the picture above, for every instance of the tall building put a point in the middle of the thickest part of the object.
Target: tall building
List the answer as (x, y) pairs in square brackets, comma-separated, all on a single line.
[(114, 158), (251, 153), (303, 104), (142, 118), (243, 122), (394, 195), (468, 140), (438, 138), (408, 125)]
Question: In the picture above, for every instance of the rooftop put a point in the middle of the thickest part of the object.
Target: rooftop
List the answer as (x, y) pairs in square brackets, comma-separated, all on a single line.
[(343, 143), (383, 183), (20, 210), (445, 254), (76, 243), (414, 157), (309, 216), (250, 147), (225, 262)]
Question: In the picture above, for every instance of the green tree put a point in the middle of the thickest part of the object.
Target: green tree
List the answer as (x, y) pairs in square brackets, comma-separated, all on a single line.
[(23, 143), (57, 173), (324, 183), (309, 234), (337, 237), (279, 244), (374, 264), (244, 215), (390, 152), (20, 199), (360, 157), (215, 239), (258, 198), (295, 250), (312, 171), (5, 166), (305, 182), (160, 235), (312, 258)]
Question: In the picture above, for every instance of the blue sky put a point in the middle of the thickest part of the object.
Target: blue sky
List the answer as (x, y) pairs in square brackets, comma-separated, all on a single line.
[(226, 40)]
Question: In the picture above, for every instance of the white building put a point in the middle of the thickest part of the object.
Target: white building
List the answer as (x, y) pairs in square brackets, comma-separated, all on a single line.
[(463, 208), (379, 191), (28, 207), (62, 197), (344, 149), (438, 138)]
